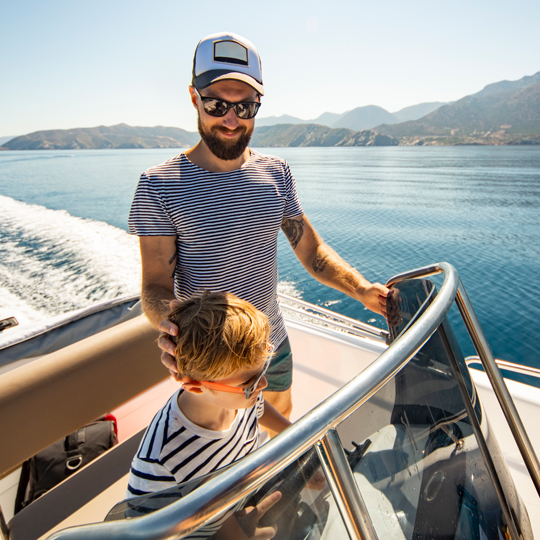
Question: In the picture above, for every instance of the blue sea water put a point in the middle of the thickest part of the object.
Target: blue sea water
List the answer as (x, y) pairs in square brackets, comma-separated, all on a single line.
[(64, 245)]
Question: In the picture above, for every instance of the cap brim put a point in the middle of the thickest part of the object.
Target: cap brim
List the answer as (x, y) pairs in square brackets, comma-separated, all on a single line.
[(206, 79)]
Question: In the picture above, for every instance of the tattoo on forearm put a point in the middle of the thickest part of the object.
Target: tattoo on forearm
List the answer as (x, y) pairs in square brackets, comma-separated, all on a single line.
[(320, 262), (294, 230), (171, 260)]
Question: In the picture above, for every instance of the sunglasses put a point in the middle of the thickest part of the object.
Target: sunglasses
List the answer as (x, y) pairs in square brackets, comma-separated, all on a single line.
[(245, 110), (247, 391)]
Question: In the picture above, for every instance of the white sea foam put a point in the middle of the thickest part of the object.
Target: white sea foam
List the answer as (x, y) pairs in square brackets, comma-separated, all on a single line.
[(12, 305), (289, 288), (52, 262), (330, 303)]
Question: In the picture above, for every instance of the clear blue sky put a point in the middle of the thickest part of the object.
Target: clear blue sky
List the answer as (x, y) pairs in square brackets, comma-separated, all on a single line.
[(82, 64)]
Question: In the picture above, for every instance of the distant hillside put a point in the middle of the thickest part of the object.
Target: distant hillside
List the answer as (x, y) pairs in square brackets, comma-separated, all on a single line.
[(414, 112), (119, 136), (6, 139), (295, 135), (275, 120), (298, 135), (505, 86), (364, 118), (506, 112), (356, 119), (494, 115), (326, 119)]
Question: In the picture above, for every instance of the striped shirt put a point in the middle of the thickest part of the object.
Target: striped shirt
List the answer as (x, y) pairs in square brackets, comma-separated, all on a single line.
[(226, 226), (175, 450)]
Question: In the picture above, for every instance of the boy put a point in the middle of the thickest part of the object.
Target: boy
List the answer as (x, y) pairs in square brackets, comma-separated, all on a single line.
[(222, 354)]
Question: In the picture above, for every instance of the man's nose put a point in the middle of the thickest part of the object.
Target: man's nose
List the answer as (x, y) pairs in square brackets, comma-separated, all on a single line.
[(230, 120)]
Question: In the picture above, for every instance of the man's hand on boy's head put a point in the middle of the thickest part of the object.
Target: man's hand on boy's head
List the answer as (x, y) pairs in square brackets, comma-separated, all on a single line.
[(249, 517), (167, 346)]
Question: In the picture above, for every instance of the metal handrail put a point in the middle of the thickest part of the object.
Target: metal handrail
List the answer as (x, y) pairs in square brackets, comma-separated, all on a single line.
[(335, 319), (344, 488), (507, 366), (232, 485), (381, 334), (499, 386)]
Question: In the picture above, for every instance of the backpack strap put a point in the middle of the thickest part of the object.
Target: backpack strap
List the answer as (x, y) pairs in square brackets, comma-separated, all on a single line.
[(73, 443), (22, 495)]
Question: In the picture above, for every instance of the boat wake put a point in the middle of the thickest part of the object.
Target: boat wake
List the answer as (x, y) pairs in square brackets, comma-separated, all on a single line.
[(52, 262)]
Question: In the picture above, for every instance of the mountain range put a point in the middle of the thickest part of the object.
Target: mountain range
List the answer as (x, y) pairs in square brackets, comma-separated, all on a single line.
[(316, 135), (6, 139), (357, 119), (119, 136), (506, 112)]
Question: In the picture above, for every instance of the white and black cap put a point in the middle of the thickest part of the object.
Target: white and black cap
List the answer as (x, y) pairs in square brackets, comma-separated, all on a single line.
[(226, 56)]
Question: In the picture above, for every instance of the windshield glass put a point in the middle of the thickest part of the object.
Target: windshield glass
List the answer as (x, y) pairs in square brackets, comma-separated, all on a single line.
[(424, 453)]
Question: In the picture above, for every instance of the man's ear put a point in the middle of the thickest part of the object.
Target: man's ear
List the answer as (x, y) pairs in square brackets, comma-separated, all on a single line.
[(189, 385), (193, 95)]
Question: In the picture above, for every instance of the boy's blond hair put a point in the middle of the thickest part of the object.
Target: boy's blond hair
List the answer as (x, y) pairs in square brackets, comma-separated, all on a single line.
[(218, 334)]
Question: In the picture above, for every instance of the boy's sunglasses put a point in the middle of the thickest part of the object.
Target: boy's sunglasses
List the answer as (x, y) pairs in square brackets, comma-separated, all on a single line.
[(245, 110), (248, 391)]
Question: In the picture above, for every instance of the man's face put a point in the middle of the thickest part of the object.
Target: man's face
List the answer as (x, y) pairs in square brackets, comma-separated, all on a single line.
[(227, 137)]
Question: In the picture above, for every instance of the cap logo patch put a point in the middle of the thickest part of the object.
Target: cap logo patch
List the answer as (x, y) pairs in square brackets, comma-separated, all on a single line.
[(230, 52)]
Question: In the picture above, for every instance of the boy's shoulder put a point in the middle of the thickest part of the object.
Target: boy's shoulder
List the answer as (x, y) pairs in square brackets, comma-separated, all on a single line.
[(172, 434)]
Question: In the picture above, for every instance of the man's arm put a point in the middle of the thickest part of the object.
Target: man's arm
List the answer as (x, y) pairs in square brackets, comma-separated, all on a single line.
[(326, 266), (158, 257)]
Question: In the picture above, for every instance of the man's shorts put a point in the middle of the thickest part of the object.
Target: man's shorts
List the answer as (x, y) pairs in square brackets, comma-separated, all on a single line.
[(279, 374)]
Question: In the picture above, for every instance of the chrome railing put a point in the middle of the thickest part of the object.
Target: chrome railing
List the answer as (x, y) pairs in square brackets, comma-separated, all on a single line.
[(507, 366), (499, 387), (326, 317), (315, 429)]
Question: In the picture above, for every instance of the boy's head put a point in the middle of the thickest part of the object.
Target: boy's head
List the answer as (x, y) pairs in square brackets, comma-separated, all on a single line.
[(218, 334)]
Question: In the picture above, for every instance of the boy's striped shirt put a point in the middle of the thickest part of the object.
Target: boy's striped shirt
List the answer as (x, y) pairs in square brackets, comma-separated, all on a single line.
[(175, 450)]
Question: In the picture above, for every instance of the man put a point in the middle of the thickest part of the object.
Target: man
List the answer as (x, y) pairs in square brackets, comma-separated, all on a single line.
[(209, 218)]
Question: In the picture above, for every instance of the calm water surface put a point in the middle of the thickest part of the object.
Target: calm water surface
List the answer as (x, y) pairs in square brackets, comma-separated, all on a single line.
[(385, 210)]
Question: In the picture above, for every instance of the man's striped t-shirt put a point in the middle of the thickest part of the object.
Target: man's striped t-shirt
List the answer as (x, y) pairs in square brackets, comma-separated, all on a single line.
[(226, 226)]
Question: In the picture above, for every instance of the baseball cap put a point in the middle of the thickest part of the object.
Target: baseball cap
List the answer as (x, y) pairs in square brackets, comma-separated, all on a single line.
[(226, 56)]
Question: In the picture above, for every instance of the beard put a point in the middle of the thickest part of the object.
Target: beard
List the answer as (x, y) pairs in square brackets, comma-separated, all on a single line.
[(223, 148)]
